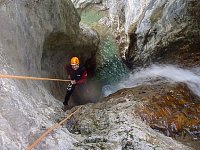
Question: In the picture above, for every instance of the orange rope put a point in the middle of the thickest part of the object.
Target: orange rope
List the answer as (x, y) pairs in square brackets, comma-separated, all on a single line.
[(50, 129), (31, 78)]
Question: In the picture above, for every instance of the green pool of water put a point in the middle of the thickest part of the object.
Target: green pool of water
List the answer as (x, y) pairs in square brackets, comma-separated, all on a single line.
[(110, 68), (91, 16)]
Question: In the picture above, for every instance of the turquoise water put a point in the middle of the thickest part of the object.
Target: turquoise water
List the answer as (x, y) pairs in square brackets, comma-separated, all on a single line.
[(110, 68), (91, 16)]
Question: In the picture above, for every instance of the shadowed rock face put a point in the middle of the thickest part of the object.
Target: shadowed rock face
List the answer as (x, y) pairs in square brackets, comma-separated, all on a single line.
[(165, 32), (59, 48)]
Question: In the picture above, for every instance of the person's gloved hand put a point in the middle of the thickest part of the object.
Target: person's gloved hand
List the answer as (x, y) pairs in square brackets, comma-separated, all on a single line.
[(69, 87), (73, 81)]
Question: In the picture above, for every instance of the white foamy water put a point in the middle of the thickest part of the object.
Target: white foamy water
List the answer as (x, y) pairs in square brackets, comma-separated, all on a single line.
[(165, 72)]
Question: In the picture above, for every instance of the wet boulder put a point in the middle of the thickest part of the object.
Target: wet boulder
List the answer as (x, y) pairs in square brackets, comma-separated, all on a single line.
[(117, 121)]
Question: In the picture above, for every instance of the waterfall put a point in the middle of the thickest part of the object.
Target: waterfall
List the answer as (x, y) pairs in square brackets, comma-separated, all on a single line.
[(168, 73)]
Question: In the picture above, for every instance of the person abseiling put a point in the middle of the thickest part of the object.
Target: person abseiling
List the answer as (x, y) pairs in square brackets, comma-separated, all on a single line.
[(78, 74)]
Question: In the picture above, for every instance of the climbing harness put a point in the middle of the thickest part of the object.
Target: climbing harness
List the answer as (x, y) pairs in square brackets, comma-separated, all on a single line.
[(52, 128), (31, 78)]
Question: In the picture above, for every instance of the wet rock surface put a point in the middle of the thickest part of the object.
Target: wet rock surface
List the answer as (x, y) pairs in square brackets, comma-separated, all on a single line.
[(118, 121), (165, 32), (173, 110)]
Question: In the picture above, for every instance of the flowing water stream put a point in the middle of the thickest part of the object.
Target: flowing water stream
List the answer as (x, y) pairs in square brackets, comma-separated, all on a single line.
[(166, 72)]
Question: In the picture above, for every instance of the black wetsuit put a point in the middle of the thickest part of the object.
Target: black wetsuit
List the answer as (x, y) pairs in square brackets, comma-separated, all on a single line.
[(79, 75)]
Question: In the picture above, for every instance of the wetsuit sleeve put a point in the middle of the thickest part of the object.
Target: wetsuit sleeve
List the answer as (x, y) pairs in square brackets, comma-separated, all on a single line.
[(83, 78)]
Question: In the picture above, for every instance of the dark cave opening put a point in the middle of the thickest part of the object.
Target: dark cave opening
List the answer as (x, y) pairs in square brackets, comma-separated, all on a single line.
[(57, 52)]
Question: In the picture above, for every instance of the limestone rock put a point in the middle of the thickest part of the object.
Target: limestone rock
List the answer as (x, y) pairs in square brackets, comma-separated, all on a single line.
[(84, 3), (113, 124), (155, 31), (27, 107), (161, 31)]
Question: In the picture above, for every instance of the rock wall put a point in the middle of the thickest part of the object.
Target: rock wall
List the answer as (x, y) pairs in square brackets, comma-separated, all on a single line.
[(165, 32), (113, 124), (85, 3), (58, 50), (29, 23), (155, 31), (27, 107)]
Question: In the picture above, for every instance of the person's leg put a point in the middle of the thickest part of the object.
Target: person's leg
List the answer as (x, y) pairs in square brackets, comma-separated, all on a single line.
[(70, 89)]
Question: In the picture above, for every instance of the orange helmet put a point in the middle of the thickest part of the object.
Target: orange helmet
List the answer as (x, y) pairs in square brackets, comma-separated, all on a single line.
[(74, 61)]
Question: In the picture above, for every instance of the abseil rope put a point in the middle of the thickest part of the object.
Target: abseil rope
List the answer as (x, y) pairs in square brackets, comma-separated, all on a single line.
[(50, 129), (31, 78)]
